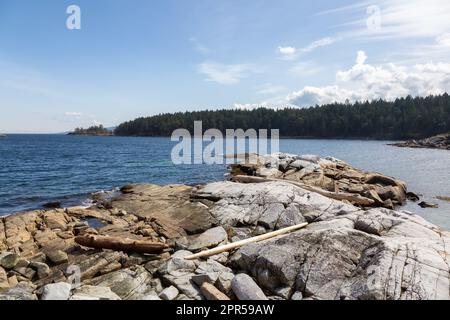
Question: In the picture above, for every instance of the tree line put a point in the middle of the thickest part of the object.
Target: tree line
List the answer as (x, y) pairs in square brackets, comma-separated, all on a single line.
[(94, 130), (404, 118)]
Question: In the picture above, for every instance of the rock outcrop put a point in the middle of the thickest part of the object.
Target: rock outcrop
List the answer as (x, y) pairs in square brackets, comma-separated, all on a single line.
[(328, 176), (441, 141), (346, 251)]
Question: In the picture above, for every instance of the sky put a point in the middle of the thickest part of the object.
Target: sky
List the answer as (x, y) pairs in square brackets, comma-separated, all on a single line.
[(132, 58)]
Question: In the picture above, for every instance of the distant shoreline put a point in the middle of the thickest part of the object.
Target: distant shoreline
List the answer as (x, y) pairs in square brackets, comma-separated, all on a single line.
[(154, 136)]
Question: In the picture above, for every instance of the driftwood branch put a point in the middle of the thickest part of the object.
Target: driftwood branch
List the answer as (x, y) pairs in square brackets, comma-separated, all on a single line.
[(238, 244), (210, 292), (353, 198), (120, 244)]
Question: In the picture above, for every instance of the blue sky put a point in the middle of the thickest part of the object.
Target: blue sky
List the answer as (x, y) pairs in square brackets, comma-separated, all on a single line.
[(137, 58)]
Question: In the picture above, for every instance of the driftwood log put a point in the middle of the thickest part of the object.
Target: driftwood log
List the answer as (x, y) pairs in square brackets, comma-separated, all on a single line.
[(210, 292), (238, 244), (121, 244), (353, 198)]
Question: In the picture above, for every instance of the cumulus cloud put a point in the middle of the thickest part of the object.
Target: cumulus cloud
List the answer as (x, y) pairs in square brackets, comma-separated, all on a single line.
[(361, 57), (369, 82), (287, 53), (225, 73)]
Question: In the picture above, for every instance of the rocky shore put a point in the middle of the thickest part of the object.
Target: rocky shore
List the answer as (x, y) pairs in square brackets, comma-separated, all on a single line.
[(441, 141), (356, 245)]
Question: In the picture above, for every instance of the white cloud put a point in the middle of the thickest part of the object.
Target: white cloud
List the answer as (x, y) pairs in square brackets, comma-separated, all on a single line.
[(291, 53), (361, 57), (287, 53), (225, 73), (272, 104), (320, 43), (310, 96), (368, 82)]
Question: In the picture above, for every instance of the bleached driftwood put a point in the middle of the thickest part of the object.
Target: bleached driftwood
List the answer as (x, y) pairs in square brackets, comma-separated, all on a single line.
[(238, 244), (210, 292), (120, 244)]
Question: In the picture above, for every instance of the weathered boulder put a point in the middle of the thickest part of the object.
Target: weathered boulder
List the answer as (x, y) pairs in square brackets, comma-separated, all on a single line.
[(208, 239), (334, 177), (182, 280), (94, 293), (57, 256), (9, 261), (169, 293), (128, 284), (56, 291), (42, 269), (178, 263), (22, 291), (246, 289)]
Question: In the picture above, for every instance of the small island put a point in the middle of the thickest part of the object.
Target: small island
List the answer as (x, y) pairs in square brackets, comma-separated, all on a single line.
[(92, 131), (441, 141)]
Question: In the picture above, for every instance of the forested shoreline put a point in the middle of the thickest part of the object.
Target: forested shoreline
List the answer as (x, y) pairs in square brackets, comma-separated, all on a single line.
[(92, 131), (404, 118)]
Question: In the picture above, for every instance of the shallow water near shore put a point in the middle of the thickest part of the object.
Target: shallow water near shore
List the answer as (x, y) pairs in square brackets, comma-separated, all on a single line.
[(37, 169)]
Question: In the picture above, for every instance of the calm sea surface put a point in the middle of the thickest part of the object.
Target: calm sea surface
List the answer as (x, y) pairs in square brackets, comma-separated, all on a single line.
[(36, 169)]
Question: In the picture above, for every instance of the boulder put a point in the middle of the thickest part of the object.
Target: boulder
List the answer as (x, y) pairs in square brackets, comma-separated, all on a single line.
[(245, 288), (208, 239), (183, 282), (43, 270), (57, 256), (297, 296), (333, 176), (87, 292), (169, 293), (56, 219), (425, 204), (9, 261), (128, 284), (56, 291), (22, 291), (199, 279)]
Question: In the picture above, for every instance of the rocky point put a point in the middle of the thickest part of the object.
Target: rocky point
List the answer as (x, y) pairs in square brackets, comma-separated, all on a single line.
[(358, 244)]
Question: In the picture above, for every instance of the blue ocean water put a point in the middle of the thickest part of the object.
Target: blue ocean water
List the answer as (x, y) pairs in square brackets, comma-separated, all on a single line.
[(36, 169)]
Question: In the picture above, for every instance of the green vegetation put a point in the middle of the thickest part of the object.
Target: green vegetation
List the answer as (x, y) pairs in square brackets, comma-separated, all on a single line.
[(404, 118), (92, 131)]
